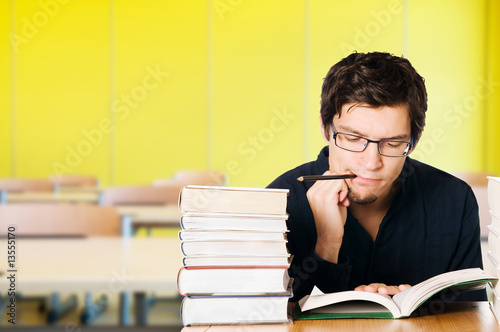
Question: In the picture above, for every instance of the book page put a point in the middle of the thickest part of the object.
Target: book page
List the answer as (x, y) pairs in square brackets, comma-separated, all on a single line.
[(409, 299), (315, 301), (362, 307)]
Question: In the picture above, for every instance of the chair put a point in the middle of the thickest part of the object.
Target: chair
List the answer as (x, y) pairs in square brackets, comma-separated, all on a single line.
[(26, 185), (74, 182), (136, 198), (140, 195), (193, 177), (139, 201), (62, 220), (57, 219), (479, 184)]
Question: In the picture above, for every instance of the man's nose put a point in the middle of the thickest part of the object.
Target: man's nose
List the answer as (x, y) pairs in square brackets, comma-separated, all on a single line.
[(371, 156)]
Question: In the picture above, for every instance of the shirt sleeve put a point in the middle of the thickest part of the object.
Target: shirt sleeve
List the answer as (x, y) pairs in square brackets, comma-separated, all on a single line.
[(468, 251), (307, 268)]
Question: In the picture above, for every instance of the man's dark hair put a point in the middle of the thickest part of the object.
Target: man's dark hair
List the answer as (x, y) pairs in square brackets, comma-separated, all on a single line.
[(377, 79)]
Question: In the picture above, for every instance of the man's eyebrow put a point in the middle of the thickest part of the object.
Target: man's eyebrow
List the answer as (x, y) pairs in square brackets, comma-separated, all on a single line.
[(350, 130)]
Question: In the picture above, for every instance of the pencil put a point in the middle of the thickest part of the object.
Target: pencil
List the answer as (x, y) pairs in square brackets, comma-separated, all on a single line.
[(325, 177)]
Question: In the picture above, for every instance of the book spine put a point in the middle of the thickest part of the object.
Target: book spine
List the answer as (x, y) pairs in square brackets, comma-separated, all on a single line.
[(179, 283), (182, 311), (181, 222), (182, 249)]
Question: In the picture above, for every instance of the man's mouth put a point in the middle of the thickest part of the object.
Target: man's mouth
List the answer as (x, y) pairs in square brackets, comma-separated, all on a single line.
[(365, 179)]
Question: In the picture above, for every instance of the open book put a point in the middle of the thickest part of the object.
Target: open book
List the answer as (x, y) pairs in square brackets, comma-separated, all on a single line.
[(357, 304)]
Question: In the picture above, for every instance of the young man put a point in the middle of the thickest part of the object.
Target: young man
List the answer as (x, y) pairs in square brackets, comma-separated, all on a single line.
[(399, 221)]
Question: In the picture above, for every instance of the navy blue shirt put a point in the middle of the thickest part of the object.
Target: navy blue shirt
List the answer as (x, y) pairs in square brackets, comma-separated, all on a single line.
[(432, 227)]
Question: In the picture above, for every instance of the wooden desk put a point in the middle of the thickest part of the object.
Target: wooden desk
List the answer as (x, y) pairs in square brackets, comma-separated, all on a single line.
[(135, 216), (104, 265), (89, 197), (460, 316)]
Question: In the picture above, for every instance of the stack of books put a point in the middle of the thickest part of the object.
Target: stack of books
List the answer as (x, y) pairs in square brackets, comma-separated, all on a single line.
[(493, 262), (235, 265)]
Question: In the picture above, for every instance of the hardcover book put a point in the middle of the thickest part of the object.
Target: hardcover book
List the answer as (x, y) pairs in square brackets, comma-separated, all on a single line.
[(216, 199)]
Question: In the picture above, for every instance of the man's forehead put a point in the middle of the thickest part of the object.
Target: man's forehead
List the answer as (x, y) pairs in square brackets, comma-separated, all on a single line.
[(383, 121)]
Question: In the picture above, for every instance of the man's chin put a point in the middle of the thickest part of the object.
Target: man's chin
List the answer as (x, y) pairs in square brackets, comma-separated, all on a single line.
[(361, 199)]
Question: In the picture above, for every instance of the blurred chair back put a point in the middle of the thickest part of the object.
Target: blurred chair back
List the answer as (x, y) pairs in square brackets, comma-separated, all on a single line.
[(26, 185), (75, 181), (479, 184), (33, 219), (140, 195), (204, 178)]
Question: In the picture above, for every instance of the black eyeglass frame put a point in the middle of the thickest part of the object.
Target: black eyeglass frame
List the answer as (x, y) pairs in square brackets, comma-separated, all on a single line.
[(405, 153)]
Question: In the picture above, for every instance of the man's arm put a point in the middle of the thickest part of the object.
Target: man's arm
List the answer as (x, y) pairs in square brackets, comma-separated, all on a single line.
[(468, 251), (328, 201), (308, 268)]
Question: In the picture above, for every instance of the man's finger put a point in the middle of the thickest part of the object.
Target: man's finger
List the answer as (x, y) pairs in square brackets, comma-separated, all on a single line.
[(389, 290), (402, 287), (373, 288)]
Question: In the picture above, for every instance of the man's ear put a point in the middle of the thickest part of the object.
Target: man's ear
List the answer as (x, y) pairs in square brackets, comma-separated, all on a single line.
[(323, 131), (414, 145), (412, 148)]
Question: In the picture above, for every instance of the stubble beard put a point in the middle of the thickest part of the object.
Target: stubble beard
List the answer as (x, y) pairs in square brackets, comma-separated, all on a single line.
[(355, 198)]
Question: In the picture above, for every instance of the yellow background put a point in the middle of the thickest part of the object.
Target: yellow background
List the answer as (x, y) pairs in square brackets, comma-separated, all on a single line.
[(132, 91)]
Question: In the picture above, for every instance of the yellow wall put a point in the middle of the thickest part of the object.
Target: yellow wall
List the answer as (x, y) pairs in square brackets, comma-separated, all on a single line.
[(159, 80), (62, 88), (449, 51), (6, 92), (133, 91), (492, 75), (257, 76)]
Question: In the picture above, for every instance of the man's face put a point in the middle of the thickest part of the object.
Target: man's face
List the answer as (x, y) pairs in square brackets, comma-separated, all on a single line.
[(375, 173)]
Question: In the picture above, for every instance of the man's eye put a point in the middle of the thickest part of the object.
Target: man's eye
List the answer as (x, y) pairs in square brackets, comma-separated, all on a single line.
[(394, 145), (353, 138)]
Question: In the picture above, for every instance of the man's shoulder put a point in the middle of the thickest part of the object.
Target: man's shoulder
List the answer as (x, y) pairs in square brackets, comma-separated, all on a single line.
[(432, 177)]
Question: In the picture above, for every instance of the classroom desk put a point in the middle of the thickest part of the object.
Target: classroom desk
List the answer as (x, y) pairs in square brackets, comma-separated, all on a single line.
[(135, 216), (460, 316), (89, 197), (102, 265)]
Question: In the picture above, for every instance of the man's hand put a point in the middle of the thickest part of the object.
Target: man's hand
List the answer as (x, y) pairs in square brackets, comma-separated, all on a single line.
[(382, 288), (328, 201)]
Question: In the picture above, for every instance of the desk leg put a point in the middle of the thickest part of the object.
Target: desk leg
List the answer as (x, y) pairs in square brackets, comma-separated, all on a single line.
[(93, 309), (3, 306), (127, 230), (141, 309), (124, 309), (3, 196), (59, 308)]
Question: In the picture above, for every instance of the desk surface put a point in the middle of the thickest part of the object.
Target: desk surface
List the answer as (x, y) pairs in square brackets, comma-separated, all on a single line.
[(460, 316), (93, 264), (160, 214), (90, 197)]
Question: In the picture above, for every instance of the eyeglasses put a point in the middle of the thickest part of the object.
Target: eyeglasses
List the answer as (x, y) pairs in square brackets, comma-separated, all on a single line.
[(387, 148)]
